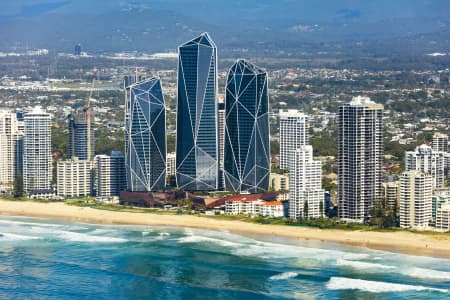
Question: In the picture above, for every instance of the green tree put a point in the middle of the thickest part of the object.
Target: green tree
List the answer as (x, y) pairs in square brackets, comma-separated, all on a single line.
[(321, 209), (305, 210)]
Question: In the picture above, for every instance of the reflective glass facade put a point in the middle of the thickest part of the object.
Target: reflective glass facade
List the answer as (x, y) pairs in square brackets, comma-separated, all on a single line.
[(197, 143), (81, 134), (247, 147), (145, 136)]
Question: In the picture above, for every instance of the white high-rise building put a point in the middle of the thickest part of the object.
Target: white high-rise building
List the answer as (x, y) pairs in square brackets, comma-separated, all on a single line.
[(37, 158), (426, 160), (111, 178), (360, 157), (293, 133), (415, 199), (11, 135), (305, 184), (74, 177), (440, 142), (221, 138)]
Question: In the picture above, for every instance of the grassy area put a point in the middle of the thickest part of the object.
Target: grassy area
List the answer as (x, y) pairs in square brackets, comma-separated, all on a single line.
[(323, 223)]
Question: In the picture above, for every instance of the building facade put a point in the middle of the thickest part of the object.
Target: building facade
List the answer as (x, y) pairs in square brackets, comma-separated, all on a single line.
[(391, 194), (81, 134), (37, 158), (11, 139), (415, 199), (279, 182), (426, 160), (75, 178), (360, 157), (443, 217), (247, 147), (293, 133), (197, 151), (111, 178), (306, 196), (145, 137), (440, 142)]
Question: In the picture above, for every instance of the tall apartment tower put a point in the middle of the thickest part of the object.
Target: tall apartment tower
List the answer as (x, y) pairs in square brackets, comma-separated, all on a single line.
[(221, 137), (305, 185), (111, 179), (37, 158), (293, 133), (247, 147), (415, 199), (145, 136), (360, 157), (440, 142), (426, 160), (11, 138), (81, 134), (197, 151)]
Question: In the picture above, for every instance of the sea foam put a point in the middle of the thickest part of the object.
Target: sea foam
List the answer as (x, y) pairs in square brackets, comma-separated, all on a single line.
[(342, 283), (283, 276), (8, 237)]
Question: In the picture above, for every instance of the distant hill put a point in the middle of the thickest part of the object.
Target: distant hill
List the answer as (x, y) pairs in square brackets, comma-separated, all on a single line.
[(160, 25)]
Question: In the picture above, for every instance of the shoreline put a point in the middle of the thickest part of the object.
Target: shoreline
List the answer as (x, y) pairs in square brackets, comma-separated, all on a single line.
[(421, 244)]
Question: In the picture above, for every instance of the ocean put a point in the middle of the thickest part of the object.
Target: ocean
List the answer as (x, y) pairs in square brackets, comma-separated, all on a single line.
[(53, 259)]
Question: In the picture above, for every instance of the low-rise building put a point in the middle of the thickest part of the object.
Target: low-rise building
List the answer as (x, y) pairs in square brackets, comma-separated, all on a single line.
[(252, 205)]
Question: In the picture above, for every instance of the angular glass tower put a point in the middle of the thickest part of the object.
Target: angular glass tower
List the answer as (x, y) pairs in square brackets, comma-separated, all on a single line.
[(197, 142), (145, 136), (247, 147)]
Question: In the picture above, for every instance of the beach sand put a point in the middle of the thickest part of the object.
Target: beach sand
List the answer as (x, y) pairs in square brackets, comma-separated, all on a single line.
[(425, 244)]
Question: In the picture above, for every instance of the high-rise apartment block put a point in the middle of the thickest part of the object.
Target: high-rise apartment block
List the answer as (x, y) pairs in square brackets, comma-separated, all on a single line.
[(75, 177), (11, 141), (111, 178), (360, 157), (426, 160), (81, 134), (440, 142), (37, 159), (197, 146), (306, 195), (415, 199), (293, 133), (247, 147)]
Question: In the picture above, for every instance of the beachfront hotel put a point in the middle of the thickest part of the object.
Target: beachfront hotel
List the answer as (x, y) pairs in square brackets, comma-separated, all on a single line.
[(11, 139), (415, 199), (197, 151), (145, 137), (360, 157), (247, 147), (37, 159), (293, 133), (306, 196)]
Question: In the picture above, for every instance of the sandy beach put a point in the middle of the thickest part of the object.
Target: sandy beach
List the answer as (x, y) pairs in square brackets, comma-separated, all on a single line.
[(435, 245)]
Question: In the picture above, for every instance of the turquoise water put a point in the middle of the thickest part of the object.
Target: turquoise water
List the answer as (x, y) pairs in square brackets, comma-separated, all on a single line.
[(49, 259)]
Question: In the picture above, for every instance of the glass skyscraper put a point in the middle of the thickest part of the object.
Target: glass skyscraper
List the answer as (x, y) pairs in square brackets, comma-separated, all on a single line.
[(145, 136), (81, 133), (247, 147), (197, 141)]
